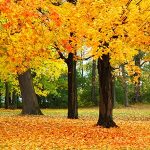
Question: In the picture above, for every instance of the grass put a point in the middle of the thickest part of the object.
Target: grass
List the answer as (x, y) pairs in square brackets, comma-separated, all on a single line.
[(141, 111)]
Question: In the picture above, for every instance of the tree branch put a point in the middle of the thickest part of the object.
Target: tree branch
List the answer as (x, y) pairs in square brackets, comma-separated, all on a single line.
[(142, 63), (61, 54)]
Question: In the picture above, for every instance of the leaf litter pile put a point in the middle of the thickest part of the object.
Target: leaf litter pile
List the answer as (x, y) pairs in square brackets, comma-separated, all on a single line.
[(47, 132)]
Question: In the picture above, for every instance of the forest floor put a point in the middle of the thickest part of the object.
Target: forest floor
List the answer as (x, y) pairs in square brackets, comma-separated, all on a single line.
[(54, 131)]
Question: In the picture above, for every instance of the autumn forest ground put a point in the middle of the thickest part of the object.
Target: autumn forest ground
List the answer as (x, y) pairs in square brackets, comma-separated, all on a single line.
[(54, 131)]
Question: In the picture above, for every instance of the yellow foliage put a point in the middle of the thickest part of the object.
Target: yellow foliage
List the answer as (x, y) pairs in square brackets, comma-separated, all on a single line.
[(30, 30)]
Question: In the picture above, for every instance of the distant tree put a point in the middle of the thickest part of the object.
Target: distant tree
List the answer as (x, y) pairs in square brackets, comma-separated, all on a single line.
[(93, 88), (7, 96)]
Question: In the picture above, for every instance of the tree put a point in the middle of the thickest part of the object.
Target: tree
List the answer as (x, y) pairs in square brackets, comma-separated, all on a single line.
[(125, 87), (119, 31), (66, 45), (24, 44), (137, 85), (72, 87), (109, 36), (7, 95), (145, 87), (93, 90)]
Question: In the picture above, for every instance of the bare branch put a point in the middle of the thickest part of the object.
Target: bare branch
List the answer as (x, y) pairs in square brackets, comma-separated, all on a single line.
[(143, 63), (128, 3), (88, 57), (139, 2)]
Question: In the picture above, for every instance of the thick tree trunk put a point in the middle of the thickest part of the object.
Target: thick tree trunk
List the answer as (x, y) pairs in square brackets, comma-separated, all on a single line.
[(93, 90), (7, 95), (72, 88), (106, 93), (29, 99)]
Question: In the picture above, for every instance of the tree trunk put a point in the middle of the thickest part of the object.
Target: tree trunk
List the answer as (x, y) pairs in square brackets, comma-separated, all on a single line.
[(14, 100), (72, 88), (7, 95), (29, 99), (39, 98), (82, 70), (137, 86), (0, 100), (17, 101), (106, 93), (137, 93), (93, 90), (126, 103), (114, 92), (125, 87)]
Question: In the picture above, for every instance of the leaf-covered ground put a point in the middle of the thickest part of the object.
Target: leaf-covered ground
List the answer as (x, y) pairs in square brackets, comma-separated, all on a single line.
[(54, 131)]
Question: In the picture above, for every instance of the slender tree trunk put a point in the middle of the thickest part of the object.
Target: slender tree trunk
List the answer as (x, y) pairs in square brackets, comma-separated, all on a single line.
[(72, 88), (106, 93), (0, 100), (7, 95), (125, 87), (82, 70), (14, 100), (39, 98), (93, 90), (137, 93), (137, 86), (114, 93), (29, 99), (126, 103), (17, 101)]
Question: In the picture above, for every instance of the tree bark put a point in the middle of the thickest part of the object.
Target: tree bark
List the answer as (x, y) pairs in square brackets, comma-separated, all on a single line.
[(125, 87), (114, 92), (72, 88), (137, 93), (7, 95), (29, 99), (0, 100), (93, 90), (137, 87), (14, 100), (106, 93)]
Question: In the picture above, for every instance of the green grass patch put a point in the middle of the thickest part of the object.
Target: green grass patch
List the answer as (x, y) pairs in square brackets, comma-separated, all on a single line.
[(134, 112)]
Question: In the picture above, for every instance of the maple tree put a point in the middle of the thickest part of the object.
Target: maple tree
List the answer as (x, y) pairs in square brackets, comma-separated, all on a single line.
[(68, 41), (110, 29), (115, 34), (24, 44)]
